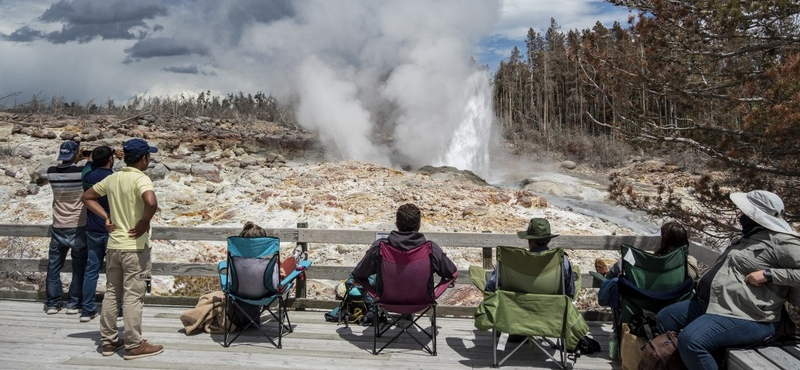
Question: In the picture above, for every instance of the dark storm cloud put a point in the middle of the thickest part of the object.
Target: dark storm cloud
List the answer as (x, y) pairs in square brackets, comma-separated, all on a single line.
[(163, 47), (24, 34), (78, 12), (241, 14), (190, 69), (85, 20)]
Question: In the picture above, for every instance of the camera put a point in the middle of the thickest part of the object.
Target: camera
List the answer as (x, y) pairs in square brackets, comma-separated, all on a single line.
[(86, 153)]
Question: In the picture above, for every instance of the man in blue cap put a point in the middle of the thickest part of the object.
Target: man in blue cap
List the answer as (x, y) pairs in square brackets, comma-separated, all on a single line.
[(132, 201), (69, 234)]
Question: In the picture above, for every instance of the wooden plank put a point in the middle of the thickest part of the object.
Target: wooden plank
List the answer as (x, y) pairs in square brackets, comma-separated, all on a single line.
[(780, 358), (70, 344), (748, 359), (793, 350), (703, 254)]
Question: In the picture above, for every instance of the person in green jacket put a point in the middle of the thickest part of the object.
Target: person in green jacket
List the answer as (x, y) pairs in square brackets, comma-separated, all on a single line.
[(739, 300)]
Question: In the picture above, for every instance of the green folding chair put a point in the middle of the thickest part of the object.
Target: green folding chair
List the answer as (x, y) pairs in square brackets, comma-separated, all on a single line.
[(530, 301)]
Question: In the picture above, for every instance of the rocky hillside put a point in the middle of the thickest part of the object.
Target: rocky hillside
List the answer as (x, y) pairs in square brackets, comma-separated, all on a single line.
[(223, 173)]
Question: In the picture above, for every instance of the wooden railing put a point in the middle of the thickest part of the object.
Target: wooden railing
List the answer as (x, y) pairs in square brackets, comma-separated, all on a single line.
[(308, 237)]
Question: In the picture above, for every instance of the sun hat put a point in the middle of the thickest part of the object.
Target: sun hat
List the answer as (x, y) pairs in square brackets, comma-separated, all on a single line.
[(539, 228), (764, 208), (68, 150), (137, 147)]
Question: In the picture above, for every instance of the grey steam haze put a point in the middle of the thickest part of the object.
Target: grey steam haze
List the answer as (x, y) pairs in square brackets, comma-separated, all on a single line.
[(389, 82)]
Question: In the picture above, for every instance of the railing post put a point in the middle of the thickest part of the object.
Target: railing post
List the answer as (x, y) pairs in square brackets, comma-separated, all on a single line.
[(487, 255), (300, 290)]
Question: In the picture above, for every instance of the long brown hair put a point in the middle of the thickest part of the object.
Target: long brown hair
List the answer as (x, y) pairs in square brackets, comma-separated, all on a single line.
[(673, 236), (252, 230)]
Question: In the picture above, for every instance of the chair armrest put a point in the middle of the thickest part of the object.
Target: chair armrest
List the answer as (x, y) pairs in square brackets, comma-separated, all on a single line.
[(444, 284), (222, 269), (478, 276), (301, 268)]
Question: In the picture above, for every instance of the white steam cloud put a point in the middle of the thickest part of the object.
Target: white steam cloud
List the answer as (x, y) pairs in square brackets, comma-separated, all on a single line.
[(388, 82)]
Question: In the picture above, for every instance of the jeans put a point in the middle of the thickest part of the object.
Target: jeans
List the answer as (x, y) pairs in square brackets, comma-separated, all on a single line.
[(73, 239), (704, 334), (96, 243)]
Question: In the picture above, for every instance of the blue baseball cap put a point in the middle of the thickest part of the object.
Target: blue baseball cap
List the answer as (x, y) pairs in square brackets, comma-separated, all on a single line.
[(68, 150), (137, 147)]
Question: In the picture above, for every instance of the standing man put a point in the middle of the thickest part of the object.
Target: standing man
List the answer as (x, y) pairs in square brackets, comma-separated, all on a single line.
[(69, 229), (98, 168), (132, 201)]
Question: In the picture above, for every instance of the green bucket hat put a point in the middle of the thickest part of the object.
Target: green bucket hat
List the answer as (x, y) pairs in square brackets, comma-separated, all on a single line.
[(539, 228)]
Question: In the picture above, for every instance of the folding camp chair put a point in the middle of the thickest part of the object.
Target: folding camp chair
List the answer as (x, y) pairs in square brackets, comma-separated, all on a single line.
[(530, 301), (251, 275), (405, 288), (650, 282)]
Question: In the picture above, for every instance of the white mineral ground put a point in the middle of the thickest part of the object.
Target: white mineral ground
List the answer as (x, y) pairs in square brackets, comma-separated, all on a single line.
[(277, 193)]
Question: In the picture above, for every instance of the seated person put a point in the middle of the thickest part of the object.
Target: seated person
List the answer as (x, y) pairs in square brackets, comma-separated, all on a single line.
[(539, 236), (673, 236), (406, 237), (739, 300)]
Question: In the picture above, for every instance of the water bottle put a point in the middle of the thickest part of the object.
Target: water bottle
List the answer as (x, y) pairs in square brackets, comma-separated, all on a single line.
[(613, 347)]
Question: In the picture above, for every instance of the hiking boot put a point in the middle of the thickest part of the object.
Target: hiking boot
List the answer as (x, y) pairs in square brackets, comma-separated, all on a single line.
[(53, 310), (73, 311), (89, 317), (110, 349), (145, 349)]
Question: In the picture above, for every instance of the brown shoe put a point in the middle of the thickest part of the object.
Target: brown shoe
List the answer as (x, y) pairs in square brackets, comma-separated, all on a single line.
[(145, 349), (110, 349)]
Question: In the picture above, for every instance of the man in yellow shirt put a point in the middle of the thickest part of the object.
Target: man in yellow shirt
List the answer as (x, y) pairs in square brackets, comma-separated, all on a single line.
[(132, 201)]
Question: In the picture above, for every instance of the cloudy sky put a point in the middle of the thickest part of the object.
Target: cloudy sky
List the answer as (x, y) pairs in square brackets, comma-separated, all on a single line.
[(403, 63)]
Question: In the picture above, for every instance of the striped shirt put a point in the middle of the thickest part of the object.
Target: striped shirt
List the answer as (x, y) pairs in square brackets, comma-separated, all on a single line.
[(68, 210)]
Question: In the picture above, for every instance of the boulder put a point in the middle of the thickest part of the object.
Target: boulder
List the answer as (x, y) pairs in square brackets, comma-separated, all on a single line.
[(39, 177), (569, 165), (158, 172), (179, 167), (32, 189), (68, 135), (206, 171), (25, 152)]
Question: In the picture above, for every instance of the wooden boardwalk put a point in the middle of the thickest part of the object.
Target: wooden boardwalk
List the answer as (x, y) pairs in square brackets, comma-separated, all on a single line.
[(33, 340)]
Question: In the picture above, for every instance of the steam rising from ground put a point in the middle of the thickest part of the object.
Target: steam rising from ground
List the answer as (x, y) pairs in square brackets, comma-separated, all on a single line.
[(387, 82)]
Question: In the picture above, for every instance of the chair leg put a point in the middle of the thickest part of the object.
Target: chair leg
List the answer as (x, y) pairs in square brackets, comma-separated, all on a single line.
[(375, 323), (228, 324), (433, 326), (494, 348)]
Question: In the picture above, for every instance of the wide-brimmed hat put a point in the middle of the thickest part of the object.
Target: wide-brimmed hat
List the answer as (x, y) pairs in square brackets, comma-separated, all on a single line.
[(764, 208), (539, 228)]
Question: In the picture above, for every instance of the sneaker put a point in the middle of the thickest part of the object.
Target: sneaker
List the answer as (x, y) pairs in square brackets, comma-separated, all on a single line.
[(145, 349), (89, 317), (53, 310), (73, 311), (110, 349)]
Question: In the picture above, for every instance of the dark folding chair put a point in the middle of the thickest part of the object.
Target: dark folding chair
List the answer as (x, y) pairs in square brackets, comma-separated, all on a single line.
[(405, 288), (251, 275)]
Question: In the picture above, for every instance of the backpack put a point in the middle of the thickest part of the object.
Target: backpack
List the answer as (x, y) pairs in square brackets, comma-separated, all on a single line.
[(643, 325), (661, 353), (356, 306)]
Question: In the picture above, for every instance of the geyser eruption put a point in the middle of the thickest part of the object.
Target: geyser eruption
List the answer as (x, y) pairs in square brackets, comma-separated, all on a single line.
[(389, 82)]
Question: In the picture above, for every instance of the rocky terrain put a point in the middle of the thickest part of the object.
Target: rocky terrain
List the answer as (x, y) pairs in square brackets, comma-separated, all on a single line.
[(223, 173)]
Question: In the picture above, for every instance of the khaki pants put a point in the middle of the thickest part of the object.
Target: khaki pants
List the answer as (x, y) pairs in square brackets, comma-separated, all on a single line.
[(127, 273)]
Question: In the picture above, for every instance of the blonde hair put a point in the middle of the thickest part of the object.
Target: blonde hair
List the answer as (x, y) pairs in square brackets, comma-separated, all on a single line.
[(252, 230)]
